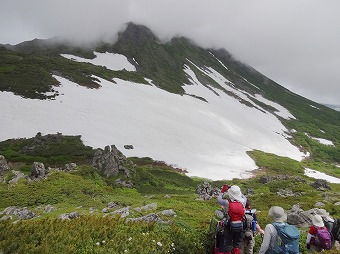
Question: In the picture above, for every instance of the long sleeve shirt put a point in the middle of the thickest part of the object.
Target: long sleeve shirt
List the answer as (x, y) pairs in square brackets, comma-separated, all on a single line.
[(269, 238)]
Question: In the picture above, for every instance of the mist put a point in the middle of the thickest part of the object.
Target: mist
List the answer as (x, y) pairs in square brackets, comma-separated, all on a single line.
[(295, 43)]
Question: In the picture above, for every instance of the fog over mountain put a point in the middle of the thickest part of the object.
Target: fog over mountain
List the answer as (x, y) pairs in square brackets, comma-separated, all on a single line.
[(293, 42)]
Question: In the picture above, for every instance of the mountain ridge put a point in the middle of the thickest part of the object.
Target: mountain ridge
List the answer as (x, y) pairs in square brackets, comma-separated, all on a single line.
[(176, 67)]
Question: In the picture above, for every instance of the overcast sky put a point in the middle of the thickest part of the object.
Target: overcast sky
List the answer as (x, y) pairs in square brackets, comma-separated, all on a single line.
[(294, 42)]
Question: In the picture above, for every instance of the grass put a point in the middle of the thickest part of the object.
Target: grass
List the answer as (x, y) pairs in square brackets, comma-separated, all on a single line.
[(87, 192)]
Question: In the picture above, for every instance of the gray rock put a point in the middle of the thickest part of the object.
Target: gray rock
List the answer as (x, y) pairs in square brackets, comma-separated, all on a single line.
[(147, 218), (169, 212), (321, 184), (110, 161), (3, 164), (17, 176), (49, 208), (70, 166), (205, 191), (124, 212), (148, 207), (38, 170), (21, 213), (69, 216)]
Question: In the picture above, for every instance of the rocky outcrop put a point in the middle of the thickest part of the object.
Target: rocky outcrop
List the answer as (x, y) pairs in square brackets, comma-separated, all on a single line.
[(38, 170), (205, 191), (20, 213), (110, 161), (300, 218), (17, 175), (321, 185), (69, 216), (3, 165), (70, 166)]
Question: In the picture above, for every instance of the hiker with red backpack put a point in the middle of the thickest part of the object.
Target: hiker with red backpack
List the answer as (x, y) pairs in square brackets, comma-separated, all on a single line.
[(318, 237), (233, 229), (279, 237)]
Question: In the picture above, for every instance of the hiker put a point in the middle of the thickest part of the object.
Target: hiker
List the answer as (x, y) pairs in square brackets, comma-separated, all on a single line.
[(235, 208), (273, 240), (250, 227), (328, 221), (318, 237)]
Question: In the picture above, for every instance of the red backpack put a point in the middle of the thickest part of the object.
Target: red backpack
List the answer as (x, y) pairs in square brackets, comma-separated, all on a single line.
[(236, 210)]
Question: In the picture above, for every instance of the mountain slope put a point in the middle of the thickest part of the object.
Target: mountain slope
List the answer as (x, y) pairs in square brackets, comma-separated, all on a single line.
[(197, 108)]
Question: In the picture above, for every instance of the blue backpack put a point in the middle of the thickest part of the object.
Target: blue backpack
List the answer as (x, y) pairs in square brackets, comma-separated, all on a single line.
[(287, 239)]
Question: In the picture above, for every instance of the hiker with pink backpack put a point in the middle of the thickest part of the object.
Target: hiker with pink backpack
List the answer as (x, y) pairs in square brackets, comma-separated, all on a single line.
[(318, 238)]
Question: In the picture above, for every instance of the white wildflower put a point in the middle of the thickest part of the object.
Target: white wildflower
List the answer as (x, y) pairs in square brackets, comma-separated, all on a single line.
[(97, 243), (159, 244), (130, 238), (172, 244)]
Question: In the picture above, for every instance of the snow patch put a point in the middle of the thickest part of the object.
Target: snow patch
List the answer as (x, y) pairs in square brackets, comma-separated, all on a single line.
[(321, 140), (209, 140), (115, 62), (319, 175)]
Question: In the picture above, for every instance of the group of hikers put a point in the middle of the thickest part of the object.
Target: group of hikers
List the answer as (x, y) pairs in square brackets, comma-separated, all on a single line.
[(237, 225)]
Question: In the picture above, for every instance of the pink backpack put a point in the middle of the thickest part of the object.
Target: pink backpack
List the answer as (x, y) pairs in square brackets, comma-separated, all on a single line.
[(323, 238)]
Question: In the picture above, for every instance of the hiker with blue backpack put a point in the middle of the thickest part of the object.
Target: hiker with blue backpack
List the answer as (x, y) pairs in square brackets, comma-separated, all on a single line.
[(234, 208), (279, 237), (318, 238)]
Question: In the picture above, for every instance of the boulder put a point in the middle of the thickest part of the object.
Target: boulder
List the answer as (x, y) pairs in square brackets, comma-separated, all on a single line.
[(38, 170), (3, 165), (110, 161), (206, 191)]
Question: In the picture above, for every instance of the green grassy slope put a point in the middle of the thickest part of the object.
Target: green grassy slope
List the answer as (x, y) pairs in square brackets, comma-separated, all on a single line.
[(87, 192)]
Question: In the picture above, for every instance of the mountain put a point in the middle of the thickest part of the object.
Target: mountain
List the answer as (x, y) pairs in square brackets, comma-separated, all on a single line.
[(197, 109)]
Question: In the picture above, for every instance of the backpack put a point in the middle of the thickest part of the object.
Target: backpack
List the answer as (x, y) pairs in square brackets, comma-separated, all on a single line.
[(248, 229), (336, 230), (235, 211), (287, 239), (323, 238), (217, 222)]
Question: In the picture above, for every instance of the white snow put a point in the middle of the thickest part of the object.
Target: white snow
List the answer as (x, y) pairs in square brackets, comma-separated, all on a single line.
[(319, 175), (115, 62), (321, 140), (209, 140), (314, 107)]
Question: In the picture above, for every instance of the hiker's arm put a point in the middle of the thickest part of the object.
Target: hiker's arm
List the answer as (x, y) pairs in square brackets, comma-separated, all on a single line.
[(266, 240), (259, 229), (309, 237), (221, 201)]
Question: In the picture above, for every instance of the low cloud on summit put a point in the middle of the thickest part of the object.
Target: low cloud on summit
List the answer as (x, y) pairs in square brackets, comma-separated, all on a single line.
[(295, 43)]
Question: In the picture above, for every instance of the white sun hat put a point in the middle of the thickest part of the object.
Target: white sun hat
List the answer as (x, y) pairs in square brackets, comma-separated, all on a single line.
[(234, 193), (317, 221)]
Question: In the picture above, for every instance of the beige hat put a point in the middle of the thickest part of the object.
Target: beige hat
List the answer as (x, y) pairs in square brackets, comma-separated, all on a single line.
[(277, 214), (234, 193), (317, 221), (321, 212)]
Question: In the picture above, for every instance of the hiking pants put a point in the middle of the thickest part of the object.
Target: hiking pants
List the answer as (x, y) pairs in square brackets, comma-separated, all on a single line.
[(248, 246), (231, 240)]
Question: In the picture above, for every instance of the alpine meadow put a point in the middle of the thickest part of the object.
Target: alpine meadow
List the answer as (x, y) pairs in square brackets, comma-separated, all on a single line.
[(123, 147)]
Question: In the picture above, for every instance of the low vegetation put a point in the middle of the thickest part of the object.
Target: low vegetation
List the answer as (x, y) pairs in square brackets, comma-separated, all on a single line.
[(85, 191)]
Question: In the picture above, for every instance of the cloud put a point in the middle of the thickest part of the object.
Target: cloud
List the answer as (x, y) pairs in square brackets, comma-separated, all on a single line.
[(292, 42)]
